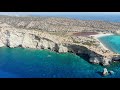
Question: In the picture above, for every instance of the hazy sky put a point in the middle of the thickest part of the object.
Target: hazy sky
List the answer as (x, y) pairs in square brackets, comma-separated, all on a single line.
[(58, 13)]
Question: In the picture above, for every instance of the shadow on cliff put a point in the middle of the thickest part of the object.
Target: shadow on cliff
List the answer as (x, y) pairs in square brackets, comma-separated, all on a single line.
[(81, 51), (7, 39)]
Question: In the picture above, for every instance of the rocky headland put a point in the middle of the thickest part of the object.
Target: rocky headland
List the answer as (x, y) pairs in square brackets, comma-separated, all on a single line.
[(58, 34)]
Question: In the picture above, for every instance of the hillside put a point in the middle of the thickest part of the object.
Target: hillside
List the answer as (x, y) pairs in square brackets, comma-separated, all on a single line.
[(59, 24)]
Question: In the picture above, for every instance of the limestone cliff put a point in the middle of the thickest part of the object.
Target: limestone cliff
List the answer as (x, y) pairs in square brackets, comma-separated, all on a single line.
[(12, 37)]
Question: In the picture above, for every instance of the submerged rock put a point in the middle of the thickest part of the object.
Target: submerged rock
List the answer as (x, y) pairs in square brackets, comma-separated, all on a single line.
[(111, 72)]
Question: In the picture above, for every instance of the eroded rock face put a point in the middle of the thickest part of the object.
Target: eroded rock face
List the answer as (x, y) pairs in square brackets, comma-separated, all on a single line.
[(62, 49), (44, 44), (13, 37), (100, 60), (116, 58), (118, 32), (106, 61), (95, 60), (29, 41), (1, 44)]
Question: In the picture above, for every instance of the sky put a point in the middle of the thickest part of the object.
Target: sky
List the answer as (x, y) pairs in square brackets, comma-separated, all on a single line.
[(58, 13)]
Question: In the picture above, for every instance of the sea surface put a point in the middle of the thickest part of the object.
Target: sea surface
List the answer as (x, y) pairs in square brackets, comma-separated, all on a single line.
[(30, 63)]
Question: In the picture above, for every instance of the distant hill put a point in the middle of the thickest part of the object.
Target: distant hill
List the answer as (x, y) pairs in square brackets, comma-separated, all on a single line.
[(58, 23)]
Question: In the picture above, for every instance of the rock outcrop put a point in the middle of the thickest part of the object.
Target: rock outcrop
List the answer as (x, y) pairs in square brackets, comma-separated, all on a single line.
[(105, 72), (95, 60), (111, 72), (100, 60), (118, 32), (13, 37), (62, 48), (116, 58), (106, 61)]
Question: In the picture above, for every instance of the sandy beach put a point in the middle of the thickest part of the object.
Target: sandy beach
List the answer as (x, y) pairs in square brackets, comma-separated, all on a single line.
[(101, 35)]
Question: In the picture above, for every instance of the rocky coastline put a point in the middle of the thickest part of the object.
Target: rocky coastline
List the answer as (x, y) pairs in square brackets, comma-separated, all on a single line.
[(12, 37)]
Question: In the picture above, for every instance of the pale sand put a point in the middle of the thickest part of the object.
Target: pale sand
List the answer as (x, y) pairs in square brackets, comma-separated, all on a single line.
[(101, 35)]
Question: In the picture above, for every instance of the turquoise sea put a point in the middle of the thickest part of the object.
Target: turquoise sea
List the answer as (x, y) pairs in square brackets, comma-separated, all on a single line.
[(112, 42), (30, 63)]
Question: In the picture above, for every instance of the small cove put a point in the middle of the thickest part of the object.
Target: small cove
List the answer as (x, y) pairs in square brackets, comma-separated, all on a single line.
[(112, 42)]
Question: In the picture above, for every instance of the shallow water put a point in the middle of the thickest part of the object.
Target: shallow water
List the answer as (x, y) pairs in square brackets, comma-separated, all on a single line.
[(29, 63), (112, 42)]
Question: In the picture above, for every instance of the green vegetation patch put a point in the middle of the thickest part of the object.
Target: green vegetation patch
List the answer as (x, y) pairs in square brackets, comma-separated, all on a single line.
[(89, 43)]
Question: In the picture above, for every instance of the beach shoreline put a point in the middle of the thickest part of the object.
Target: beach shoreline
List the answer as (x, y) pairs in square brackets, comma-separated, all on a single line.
[(101, 35)]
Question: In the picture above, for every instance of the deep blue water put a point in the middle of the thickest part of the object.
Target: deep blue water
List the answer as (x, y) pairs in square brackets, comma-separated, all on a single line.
[(108, 18), (29, 63), (112, 42)]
